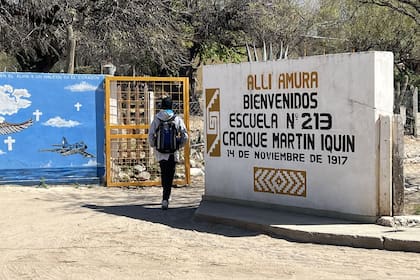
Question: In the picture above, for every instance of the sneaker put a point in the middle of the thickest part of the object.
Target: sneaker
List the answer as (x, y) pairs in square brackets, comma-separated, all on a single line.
[(165, 205)]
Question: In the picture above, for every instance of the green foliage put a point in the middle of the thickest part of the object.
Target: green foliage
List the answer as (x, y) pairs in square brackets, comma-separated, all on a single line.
[(88, 69), (378, 28), (215, 52), (417, 210), (351, 26), (407, 8), (42, 183), (277, 23), (8, 63), (412, 77)]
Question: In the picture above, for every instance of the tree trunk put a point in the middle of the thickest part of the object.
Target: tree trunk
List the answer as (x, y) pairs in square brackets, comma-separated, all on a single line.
[(71, 42)]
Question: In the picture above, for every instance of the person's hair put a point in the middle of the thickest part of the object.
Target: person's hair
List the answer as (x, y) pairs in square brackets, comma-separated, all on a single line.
[(166, 103)]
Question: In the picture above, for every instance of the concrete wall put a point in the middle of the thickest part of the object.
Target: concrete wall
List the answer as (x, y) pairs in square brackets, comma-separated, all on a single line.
[(52, 128), (301, 133)]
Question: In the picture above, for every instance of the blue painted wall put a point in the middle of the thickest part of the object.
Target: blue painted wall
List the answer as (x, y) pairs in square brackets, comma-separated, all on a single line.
[(51, 128)]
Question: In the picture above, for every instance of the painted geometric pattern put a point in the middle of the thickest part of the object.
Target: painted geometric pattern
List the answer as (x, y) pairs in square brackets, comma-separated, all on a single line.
[(213, 122), (280, 181)]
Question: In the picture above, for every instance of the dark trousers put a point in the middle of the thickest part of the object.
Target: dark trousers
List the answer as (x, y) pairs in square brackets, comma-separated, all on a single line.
[(167, 172)]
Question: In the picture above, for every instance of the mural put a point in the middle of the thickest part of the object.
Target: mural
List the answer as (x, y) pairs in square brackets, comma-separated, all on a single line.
[(37, 111)]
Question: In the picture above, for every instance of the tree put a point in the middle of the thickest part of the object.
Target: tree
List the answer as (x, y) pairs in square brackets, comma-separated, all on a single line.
[(363, 27), (30, 31), (218, 31), (173, 37), (403, 16), (211, 33), (144, 33), (410, 8), (71, 49), (278, 23)]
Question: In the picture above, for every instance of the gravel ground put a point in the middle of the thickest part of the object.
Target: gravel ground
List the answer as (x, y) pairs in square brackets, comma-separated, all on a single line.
[(412, 175), (121, 233)]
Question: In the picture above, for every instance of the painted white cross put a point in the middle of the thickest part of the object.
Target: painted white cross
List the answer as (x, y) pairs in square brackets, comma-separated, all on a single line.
[(9, 141), (37, 114), (78, 105)]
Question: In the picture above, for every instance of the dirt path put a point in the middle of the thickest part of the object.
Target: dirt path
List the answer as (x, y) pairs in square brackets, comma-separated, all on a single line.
[(99, 233)]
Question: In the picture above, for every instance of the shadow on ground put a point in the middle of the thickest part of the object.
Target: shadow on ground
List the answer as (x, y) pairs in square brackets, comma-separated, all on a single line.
[(175, 217)]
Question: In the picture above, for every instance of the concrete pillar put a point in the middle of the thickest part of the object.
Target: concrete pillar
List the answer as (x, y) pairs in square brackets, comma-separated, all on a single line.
[(397, 166), (403, 114), (109, 69), (385, 167)]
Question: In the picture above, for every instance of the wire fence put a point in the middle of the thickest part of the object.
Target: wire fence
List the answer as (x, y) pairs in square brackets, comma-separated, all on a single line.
[(196, 131)]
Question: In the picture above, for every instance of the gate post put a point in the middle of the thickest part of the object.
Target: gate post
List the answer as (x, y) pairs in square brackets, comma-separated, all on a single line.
[(151, 114), (397, 166), (385, 166), (416, 114)]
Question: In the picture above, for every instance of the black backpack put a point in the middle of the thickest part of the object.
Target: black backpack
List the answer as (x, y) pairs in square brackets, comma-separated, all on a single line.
[(166, 136)]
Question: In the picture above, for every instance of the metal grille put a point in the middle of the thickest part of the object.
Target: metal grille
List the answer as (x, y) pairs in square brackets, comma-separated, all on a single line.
[(131, 103)]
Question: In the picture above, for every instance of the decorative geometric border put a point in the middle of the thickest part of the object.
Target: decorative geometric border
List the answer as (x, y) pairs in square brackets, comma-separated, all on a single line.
[(280, 181), (213, 122)]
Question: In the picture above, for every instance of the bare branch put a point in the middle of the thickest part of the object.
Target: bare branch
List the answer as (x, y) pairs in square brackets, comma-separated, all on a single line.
[(413, 13)]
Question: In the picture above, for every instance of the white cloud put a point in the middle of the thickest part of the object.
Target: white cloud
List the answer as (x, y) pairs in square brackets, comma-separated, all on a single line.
[(83, 86), (91, 162), (49, 164), (59, 122), (12, 100), (2, 153)]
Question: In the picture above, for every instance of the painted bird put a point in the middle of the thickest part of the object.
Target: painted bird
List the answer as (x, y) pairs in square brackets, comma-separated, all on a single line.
[(9, 128)]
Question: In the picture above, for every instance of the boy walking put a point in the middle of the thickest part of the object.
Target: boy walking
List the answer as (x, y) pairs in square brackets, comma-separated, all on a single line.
[(167, 160)]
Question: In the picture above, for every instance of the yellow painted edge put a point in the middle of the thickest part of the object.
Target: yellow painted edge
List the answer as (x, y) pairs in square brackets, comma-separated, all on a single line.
[(129, 126), (122, 136), (187, 124), (143, 184), (146, 79), (124, 184), (107, 131)]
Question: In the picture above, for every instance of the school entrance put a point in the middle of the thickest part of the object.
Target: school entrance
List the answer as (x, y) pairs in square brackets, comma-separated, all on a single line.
[(130, 105)]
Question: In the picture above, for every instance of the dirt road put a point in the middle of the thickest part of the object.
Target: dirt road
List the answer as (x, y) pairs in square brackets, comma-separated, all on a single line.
[(99, 233)]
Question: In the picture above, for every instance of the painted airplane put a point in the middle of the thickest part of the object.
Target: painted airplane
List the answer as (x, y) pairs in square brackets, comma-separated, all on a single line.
[(9, 128), (66, 149)]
